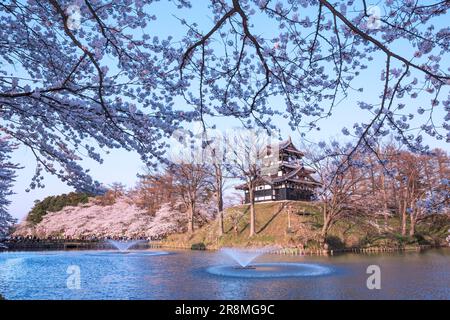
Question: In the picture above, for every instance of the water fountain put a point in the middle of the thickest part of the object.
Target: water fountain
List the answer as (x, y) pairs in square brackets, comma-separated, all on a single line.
[(125, 245), (246, 267), (244, 256)]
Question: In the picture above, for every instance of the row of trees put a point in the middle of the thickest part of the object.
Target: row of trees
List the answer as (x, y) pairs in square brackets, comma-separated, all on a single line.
[(388, 182), (192, 182), (54, 204), (200, 175), (82, 77), (180, 182)]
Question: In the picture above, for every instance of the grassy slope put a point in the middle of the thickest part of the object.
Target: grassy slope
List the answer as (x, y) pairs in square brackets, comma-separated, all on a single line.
[(272, 228)]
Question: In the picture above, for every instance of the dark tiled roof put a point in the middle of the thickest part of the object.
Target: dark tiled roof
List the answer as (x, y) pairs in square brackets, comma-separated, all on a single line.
[(291, 177), (285, 145)]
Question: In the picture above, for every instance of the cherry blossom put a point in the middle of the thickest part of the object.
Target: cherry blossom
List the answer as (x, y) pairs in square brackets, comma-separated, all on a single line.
[(81, 77), (120, 219)]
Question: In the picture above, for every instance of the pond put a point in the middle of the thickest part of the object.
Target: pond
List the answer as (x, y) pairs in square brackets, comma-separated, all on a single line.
[(154, 274)]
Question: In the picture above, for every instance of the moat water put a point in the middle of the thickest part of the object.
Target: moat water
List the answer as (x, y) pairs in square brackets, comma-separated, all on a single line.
[(154, 274)]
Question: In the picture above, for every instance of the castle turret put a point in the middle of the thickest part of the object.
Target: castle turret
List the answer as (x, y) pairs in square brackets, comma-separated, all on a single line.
[(283, 175)]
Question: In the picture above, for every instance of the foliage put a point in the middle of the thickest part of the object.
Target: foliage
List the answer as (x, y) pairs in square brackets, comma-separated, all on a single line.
[(198, 246), (334, 242), (350, 231), (122, 218), (152, 190), (75, 96), (114, 192), (270, 227), (191, 182), (167, 220), (7, 176), (341, 194), (245, 162), (391, 182), (54, 204), (180, 183), (99, 75)]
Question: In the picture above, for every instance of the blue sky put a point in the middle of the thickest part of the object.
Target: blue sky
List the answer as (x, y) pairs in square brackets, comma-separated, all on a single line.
[(122, 166)]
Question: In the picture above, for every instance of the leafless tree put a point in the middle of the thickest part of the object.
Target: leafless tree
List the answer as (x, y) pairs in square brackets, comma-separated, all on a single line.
[(342, 194), (191, 182), (245, 159)]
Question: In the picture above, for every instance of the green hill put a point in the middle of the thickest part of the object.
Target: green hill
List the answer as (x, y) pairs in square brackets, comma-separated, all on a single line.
[(302, 229), (54, 204)]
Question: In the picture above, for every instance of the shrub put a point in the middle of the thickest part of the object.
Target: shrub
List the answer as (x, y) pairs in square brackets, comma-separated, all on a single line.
[(419, 239), (107, 199), (198, 246), (312, 244), (54, 204), (335, 242)]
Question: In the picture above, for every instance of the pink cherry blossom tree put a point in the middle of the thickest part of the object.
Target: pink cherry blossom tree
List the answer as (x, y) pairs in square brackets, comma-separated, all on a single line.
[(79, 77)]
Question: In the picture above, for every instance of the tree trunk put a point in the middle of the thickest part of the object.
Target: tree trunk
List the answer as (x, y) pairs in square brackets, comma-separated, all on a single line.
[(412, 227), (385, 202), (404, 218), (326, 225), (415, 214), (220, 218), (191, 218), (220, 209), (324, 235), (252, 211), (219, 195)]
